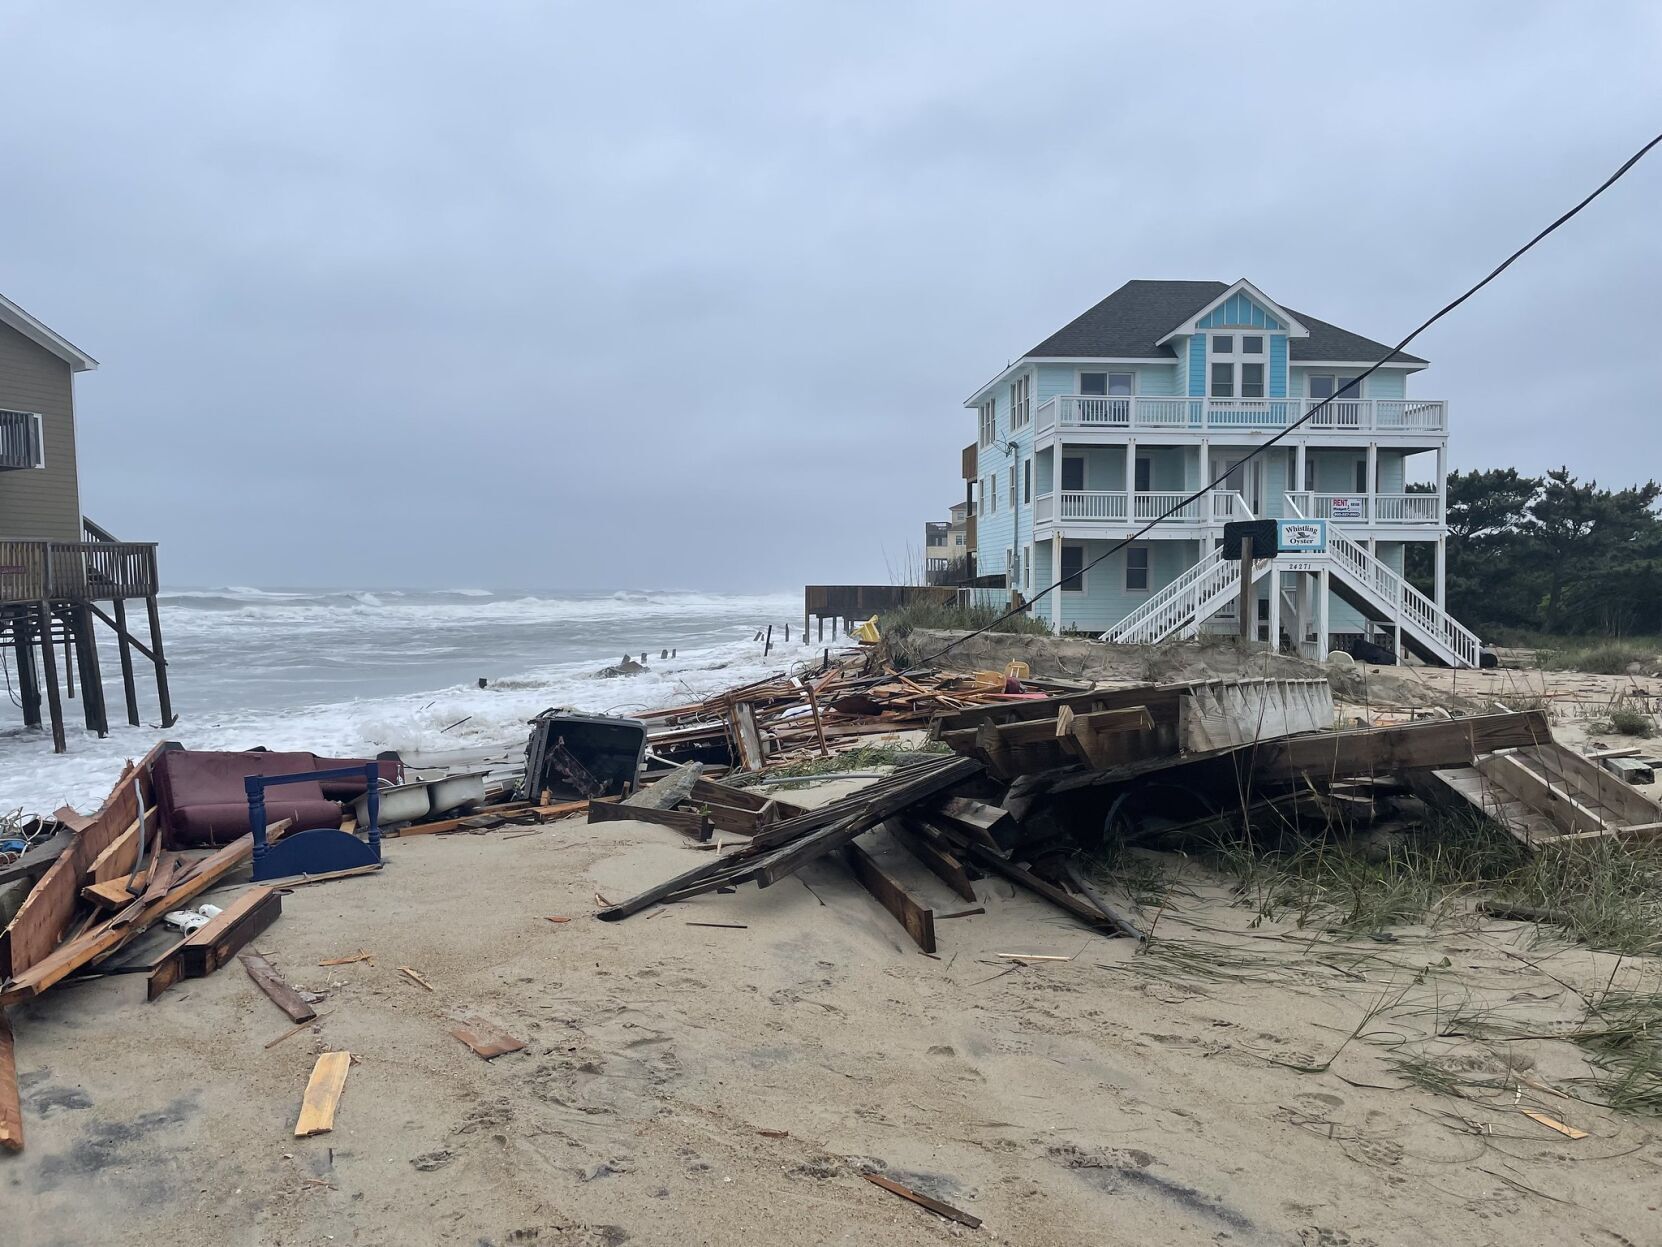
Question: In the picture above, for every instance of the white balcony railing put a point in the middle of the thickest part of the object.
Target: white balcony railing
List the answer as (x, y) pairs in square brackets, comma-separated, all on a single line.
[(1345, 415), (1118, 507), (1369, 508)]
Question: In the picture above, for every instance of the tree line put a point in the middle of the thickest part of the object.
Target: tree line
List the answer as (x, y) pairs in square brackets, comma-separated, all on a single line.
[(1549, 554)]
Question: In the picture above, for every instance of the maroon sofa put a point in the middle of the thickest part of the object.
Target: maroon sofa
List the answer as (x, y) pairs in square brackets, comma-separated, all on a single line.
[(203, 801)]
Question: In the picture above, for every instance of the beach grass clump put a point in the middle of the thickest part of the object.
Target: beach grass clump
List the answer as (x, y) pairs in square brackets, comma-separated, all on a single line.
[(1601, 658), (942, 617), (1625, 721)]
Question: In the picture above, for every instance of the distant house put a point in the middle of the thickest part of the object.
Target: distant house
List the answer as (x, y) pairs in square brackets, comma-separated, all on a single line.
[(40, 495), (946, 548), (1162, 388), (56, 566)]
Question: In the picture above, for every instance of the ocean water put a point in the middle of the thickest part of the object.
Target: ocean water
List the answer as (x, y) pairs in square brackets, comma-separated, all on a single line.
[(344, 673)]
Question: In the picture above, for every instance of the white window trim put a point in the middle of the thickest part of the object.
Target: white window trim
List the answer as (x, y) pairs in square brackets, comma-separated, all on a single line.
[(40, 435), (987, 422), (1149, 566), (1108, 372), (1021, 406)]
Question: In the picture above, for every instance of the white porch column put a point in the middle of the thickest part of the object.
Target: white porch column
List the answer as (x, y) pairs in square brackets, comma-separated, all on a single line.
[(1130, 476), (1373, 472), (1055, 575), (1275, 611), (1205, 462), (1440, 586), (1442, 485), (1323, 589), (1299, 472)]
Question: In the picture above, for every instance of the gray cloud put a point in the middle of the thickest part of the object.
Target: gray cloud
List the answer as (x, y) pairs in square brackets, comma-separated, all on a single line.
[(544, 296)]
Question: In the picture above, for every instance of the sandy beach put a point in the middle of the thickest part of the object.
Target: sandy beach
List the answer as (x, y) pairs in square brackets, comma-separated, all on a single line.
[(686, 1084)]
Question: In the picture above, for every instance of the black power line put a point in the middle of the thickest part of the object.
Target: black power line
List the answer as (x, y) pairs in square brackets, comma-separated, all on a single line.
[(1339, 393)]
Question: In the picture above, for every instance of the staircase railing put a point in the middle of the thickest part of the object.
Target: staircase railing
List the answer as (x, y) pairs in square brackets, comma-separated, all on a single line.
[(1401, 600), (1169, 608)]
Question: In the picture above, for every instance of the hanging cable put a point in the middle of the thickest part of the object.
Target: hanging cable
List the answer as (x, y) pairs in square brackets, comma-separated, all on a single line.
[(1354, 382)]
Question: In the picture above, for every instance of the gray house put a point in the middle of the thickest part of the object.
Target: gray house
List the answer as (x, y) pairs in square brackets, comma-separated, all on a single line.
[(40, 497), (57, 567)]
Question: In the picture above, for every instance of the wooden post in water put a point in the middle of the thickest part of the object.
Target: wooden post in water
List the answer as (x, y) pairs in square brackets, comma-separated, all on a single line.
[(160, 659), (28, 675), (124, 647), (92, 681), (1249, 622), (49, 660)]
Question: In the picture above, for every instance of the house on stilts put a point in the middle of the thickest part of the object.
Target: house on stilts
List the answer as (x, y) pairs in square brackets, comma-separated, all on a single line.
[(61, 575), (1163, 388)]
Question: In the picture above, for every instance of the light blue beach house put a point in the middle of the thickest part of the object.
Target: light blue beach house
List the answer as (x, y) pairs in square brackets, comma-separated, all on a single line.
[(1167, 385)]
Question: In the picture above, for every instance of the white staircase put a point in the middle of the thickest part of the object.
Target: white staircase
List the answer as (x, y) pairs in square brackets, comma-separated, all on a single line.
[(1437, 632), (1187, 602), (1214, 582)]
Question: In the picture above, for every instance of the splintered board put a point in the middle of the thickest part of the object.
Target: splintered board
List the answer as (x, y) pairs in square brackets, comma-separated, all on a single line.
[(323, 1092), (918, 921)]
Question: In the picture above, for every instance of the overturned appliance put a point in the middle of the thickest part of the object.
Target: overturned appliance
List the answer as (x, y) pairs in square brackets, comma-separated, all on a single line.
[(574, 756)]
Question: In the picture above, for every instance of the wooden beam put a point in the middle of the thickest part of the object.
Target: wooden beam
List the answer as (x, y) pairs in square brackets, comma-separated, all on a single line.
[(11, 1107), (119, 857), (277, 988), (1510, 774), (119, 624), (918, 921), (159, 659), (918, 840), (124, 651), (210, 947), (1424, 745), (49, 660), (1086, 913), (1629, 770), (687, 822)]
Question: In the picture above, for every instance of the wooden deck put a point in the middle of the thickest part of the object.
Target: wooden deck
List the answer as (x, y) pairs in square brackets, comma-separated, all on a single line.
[(76, 571)]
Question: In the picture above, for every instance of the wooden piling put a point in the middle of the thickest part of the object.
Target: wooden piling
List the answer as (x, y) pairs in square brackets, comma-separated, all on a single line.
[(49, 660), (93, 709), (28, 675), (160, 660), (124, 648)]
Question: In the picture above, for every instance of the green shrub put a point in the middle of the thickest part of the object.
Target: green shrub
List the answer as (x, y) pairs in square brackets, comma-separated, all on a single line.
[(895, 624), (1608, 658)]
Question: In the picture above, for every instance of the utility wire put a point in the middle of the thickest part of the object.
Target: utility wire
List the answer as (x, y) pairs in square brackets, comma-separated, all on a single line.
[(1200, 493)]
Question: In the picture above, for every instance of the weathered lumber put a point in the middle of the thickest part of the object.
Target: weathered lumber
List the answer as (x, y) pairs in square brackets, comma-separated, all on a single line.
[(1162, 702), (1424, 745), (918, 838), (1111, 911), (484, 1036), (44, 918), (1511, 774), (210, 947), (323, 1092), (11, 1107), (687, 822), (277, 988), (104, 937), (1086, 913), (119, 857), (752, 753), (918, 920), (977, 819), (1593, 786), (1629, 770), (668, 792)]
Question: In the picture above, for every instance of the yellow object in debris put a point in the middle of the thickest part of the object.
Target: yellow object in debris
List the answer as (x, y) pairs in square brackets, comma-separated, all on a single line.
[(1017, 670), (866, 633), (989, 681)]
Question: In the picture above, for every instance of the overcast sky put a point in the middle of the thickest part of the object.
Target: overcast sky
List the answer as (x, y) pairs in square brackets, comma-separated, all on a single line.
[(690, 295)]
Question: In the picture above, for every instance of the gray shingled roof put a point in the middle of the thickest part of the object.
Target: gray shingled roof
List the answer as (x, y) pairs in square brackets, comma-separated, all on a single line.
[(1129, 323)]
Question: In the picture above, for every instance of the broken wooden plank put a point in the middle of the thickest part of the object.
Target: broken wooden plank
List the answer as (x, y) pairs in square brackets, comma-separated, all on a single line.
[(323, 1092), (918, 920), (924, 1201), (11, 1107), (485, 1037), (752, 753), (1422, 745), (1510, 773), (415, 977), (213, 946), (687, 822), (979, 820), (119, 857), (913, 834), (273, 985), (1086, 913)]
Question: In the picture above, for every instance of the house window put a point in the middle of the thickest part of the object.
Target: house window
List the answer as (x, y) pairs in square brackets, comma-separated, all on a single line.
[(1073, 569), (1235, 374), (1073, 473), (1027, 480), (1018, 402), (1252, 380), (1142, 473), (1027, 568), (22, 439), (1120, 384), (1327, 384), (1094, 383), (1223, 344), (1252, 344), (1012, 484), (1136, 569), (990, 492), (1223, 379), (989, 421)]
